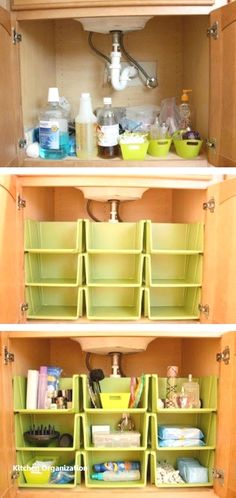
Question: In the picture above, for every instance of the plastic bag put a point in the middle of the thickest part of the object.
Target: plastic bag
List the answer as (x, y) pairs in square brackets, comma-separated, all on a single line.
[(169, 114)]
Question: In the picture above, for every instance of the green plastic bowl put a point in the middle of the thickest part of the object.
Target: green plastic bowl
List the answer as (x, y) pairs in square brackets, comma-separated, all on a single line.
[(188, 149), (41, 476), (134, 152), (159, 147)]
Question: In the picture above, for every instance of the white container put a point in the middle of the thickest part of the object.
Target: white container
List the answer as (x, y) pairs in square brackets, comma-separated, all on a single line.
[(117, 439), (85, 128), (32, 389)]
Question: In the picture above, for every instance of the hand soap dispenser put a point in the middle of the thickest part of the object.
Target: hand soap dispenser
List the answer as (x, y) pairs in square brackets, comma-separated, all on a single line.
[(191, 389)]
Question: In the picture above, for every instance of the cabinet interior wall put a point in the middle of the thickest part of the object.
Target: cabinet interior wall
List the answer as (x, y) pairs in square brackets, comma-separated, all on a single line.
[(57, 53), (196, 356), (159, 205)]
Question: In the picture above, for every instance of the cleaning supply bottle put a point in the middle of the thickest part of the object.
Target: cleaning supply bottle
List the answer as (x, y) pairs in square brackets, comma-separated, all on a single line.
[(116, 466), (85, 129), (191, 389), (53, 129), (185, 111), (107, 131), (109, 475), (42, 388)]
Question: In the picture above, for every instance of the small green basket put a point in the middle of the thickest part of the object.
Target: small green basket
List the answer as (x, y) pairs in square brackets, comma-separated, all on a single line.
[(134, 151), (40, 475), (159, 147), (188, 149)]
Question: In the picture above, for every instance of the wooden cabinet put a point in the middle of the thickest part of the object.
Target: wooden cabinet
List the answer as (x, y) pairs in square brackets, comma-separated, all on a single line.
[(54, 50), (189, 352), (168, 200)]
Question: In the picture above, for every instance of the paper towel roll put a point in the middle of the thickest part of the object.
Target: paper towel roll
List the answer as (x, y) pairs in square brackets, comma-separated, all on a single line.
[(32, 389)]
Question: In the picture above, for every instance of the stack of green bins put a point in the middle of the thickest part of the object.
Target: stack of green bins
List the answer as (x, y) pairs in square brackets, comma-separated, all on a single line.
[(53, 269), (173, 270), (203, 418), (111, 416), (63, 420), (114, 270)]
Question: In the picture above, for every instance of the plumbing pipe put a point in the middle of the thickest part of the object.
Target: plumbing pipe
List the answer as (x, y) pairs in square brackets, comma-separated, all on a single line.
[(119, 79)]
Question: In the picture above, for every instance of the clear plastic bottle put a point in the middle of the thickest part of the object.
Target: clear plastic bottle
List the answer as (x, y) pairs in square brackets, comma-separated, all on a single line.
[(109, 475), (85, 129), (107, 131), (42, 388), (185, 111), (53, 129), (191, 389)]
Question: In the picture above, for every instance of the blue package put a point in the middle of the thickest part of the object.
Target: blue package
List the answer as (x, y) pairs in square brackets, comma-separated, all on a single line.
[(64, 474), (192, 471), (179, 443), (179, 432)]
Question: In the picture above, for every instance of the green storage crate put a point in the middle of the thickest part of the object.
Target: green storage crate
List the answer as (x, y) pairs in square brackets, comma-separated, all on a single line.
[(115, 385), (173, 303), (50, 270), (114, 270), (141, 421), (204, 421), (174, 238), (25, 458), (53, 236), (54, 303), (206, 458), (113, 303), (63, 423), (168, 270), (20, 390), (208, 387), (92, 457), (124, 238)]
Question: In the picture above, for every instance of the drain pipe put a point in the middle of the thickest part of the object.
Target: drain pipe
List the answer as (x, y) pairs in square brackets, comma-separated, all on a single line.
[(119, 79)]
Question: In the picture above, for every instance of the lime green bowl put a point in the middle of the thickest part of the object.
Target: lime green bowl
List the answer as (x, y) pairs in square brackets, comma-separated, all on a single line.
[(134, 151), (188, 149), (42, 475), (159, 147)]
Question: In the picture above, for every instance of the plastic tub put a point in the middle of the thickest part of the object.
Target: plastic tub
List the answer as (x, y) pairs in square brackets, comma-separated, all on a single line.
[(134, 152), (117, 439), (112, 401), (187, 149), (39, 475), (159, 147)]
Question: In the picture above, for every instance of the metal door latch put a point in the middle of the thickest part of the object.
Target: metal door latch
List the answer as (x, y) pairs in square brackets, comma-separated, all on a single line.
[(21, 203), (205, 309), (211, 204), (224, 356), (213, 31)]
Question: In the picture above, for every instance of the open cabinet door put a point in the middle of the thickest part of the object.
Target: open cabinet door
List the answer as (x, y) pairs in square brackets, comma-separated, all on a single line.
[(219, 280), (226, 432), (222, 125), (9, 93), (7, 459), (11, 248)]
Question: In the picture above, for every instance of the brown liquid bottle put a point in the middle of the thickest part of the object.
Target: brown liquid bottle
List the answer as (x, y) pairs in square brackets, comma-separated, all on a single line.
[(107, 131)]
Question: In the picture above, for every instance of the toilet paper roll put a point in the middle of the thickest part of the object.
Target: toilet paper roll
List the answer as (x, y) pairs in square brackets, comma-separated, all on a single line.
[(32, 389)]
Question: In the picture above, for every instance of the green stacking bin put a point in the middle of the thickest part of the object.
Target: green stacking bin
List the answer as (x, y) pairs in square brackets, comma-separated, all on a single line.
[(54, 303), (62, 423), (113, 303), (206, 421), (141, 421), (50, 270), (174, 238), (114, 270), (92, 457), (20, 390), (206, 458), (172, 303), (66, 458), (115, 386), (168, 270), (114, 237), (53, 236), (208, 387)]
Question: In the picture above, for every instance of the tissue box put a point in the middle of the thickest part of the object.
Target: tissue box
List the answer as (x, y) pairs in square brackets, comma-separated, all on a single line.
[(117, 439)]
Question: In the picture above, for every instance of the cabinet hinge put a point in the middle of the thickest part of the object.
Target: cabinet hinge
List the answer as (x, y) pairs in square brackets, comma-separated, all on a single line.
[(24, 307), (205, 309), (16, 37), (15, 474), (21, 203), (22, 143), (211, 204), (213, 31), (8, 357), (219, 474), (224, 356), (211, 144)]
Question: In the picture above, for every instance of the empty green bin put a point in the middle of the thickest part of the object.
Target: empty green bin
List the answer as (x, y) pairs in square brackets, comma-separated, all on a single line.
[(54, 303), (173, 303), (174, 237), (174, 270), (62, 270), (53, 236), (121, 237), (113, 303), (114, 270)]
